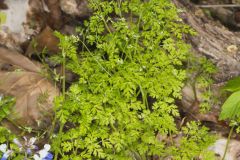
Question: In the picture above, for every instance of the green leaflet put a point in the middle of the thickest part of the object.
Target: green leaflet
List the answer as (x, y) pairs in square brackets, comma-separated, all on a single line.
[(231, 107), (5, 105), (233, 85)]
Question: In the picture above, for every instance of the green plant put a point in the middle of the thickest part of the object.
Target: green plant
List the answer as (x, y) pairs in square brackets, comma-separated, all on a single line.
[(231, 107), (5, 135), (67, 45), (200, 71), (130, 72), (6, 103), (194, 141)]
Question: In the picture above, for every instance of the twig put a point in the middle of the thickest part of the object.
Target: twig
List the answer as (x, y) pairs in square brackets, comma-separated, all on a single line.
[(218, 5)]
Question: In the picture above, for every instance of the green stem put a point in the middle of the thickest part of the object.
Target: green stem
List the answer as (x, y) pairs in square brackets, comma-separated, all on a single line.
[(94, 58), (144, 97), (119, 6), (54, 118), (113, 127), (171, 138), (64, 77), (64, 94), (137, 39), (106, 25), (228, 140)]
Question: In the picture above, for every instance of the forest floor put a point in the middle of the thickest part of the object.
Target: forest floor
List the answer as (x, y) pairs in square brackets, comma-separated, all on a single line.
[(217, 39)]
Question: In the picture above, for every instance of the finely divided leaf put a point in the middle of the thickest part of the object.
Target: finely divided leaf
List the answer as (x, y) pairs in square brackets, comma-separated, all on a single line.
[(231, 107), (233, 85)]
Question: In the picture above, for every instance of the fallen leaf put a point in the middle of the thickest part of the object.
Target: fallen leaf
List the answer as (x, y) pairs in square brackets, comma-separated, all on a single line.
[(14, 58), (36, 16), (55, 19), (77, 8), (34, 93), (46, 39)]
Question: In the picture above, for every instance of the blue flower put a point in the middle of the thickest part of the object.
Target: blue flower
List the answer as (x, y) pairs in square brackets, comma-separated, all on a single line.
[(44, 153), (6, 152), (48, 157)]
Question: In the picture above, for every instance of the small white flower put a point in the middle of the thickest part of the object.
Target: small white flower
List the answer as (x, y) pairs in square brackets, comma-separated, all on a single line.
[(47, 147), (36, 157), (3, 148), (43, 153), (16, 141), (6, 155), (6, 152), (31, 141)]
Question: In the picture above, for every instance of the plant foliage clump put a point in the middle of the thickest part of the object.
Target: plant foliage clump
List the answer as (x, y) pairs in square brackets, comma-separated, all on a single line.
[(130, 72), (200, 71)]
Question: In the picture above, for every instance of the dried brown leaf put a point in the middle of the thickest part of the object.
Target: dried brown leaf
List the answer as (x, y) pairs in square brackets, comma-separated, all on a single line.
[(34, 93), (55, 19), (16, 59), (45, 39)]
